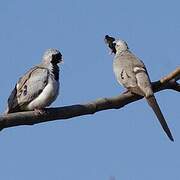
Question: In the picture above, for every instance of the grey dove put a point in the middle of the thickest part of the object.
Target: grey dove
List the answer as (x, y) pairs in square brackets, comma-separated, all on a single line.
[(39, 87), (131, 72)]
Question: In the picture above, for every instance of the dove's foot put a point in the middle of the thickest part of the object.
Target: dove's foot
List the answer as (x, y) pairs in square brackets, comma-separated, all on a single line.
[(125, 92), (39, 111)]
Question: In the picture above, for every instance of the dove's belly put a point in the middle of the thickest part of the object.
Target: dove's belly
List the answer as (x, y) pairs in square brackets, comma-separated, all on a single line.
[(47, 96)]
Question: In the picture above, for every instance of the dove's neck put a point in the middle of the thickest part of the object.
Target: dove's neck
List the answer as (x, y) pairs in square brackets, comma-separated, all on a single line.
[(54, 70), (119, 53)]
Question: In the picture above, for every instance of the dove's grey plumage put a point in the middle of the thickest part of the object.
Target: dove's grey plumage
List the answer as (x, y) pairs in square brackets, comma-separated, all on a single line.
[(131, 72), (39, 87)]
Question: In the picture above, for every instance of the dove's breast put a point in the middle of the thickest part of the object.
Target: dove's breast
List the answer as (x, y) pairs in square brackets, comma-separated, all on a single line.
[(46, 97)]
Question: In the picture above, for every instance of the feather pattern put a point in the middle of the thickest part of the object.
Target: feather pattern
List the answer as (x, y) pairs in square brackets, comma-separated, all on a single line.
[(39, 87), (131, 72)]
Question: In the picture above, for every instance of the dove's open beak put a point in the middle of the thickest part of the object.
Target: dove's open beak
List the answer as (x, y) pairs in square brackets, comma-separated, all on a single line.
[(110, 41)]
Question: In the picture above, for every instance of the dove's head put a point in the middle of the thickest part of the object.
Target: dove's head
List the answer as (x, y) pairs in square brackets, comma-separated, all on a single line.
[(52, 56), (120, 45), (116, 45)]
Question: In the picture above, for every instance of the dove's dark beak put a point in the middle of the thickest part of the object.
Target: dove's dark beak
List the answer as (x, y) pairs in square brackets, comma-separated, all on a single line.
[(110, 42), (60, 58)]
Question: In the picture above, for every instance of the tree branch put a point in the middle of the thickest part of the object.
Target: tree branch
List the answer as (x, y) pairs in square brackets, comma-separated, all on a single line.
[(67, 112)]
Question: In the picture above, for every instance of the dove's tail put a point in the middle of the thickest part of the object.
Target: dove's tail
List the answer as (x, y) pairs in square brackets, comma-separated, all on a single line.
[(154, 105)]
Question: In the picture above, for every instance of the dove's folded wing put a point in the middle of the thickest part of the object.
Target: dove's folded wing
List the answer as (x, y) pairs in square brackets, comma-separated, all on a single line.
[(28, 88)]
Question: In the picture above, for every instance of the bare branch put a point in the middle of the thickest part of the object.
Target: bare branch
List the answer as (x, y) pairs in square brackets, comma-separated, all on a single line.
[(173, 75), (67, 112)]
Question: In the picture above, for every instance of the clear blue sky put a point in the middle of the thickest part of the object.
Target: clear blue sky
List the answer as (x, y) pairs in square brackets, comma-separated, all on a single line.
[(129, 143)]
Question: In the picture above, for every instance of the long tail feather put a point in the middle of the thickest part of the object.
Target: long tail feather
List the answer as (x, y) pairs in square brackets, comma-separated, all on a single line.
[(154, 105)]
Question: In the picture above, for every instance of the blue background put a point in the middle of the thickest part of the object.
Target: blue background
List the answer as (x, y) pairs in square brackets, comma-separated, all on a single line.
[(126, 144)]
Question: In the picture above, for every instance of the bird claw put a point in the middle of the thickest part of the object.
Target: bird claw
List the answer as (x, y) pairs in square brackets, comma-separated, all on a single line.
[(125, 92), (40, 111)]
